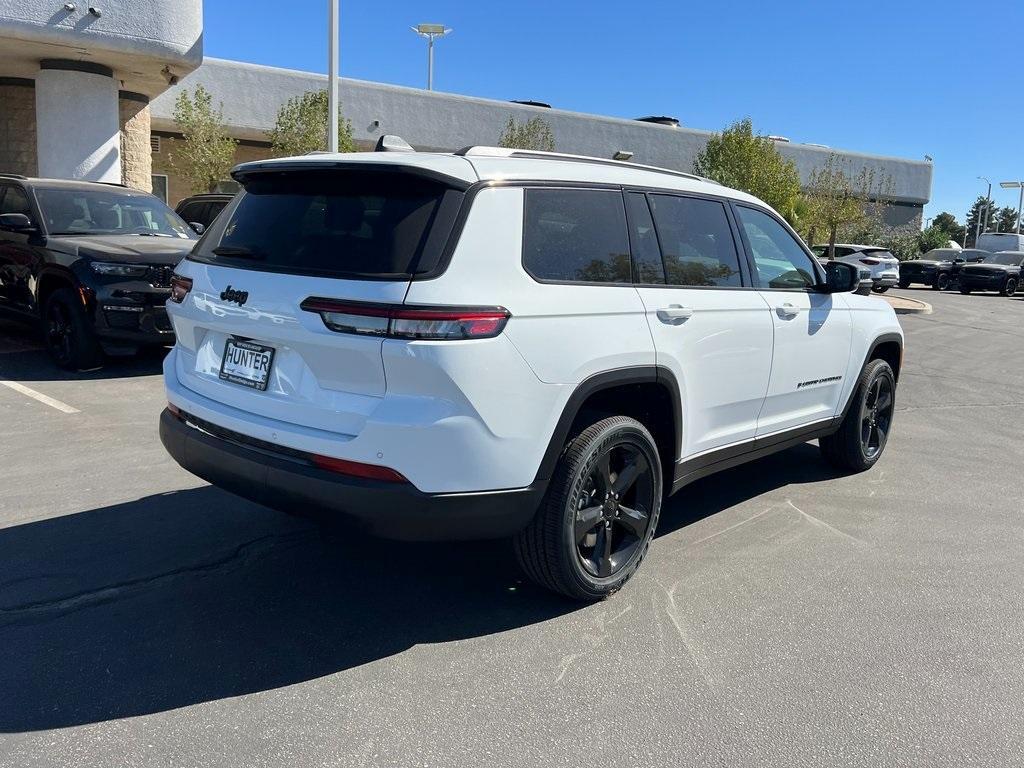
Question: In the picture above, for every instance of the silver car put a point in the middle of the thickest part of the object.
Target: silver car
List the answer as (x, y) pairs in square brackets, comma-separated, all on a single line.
[(885, 268)]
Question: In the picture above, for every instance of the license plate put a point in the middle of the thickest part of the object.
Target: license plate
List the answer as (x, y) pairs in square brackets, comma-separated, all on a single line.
[(247, 364)]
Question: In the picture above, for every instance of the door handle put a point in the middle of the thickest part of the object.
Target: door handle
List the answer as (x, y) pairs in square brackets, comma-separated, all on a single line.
[(788, 310), (675, 314)]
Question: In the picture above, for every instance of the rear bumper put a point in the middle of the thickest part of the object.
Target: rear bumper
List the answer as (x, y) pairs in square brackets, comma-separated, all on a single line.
[(390, 510), (886, 281)]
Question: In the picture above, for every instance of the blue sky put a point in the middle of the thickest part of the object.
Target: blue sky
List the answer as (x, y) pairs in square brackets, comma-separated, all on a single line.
[(893, 78)]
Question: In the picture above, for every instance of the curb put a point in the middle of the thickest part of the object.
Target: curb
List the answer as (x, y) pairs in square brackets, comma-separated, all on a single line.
[(904, 306)]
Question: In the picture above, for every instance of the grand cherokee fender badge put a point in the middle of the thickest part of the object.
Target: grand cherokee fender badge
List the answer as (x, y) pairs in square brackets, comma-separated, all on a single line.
[(239, 297), (814, 382)]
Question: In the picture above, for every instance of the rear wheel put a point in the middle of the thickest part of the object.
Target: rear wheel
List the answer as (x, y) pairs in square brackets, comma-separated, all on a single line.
[(70, 338), (941, 282), (1009, 287), (599, 514), (904, 283), (965, 291), (861, 438), (880, 288)]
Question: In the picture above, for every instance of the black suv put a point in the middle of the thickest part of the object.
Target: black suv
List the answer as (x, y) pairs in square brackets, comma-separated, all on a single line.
[(999, 272), (92, 261), (202, 209), (939, 268)]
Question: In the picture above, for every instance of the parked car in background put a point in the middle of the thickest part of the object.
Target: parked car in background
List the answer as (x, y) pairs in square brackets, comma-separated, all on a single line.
[(1000, 241), (92, 261), (884, 267), (435, 355), (938, 268), (202, 209), (999, 272)]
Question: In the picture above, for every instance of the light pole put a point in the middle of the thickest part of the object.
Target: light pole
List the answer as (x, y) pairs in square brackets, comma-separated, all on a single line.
[(430, 31), (1014, 185), (988, 205), (332, 76)]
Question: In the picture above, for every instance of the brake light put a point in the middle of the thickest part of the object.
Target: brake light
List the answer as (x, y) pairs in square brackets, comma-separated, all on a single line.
[(358, 469), (403, 322), (180, 286), (870, 262)]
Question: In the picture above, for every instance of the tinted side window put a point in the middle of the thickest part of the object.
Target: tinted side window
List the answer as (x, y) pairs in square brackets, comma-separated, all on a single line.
[(576, 235), (696, 241), (781, 262), (14, 201), (643, 240), (192, 211)]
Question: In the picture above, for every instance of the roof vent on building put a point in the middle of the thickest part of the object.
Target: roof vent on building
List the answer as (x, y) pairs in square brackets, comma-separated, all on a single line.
[(780, 139), (659, 120), (154, 144), (529, 103)]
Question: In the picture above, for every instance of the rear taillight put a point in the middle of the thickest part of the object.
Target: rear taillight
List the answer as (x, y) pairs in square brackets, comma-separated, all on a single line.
[(180, 286), (870, 262), (403, 322)]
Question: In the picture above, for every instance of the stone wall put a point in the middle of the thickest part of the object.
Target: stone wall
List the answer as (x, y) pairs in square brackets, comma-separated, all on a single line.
[(17, 126), (136, 156)]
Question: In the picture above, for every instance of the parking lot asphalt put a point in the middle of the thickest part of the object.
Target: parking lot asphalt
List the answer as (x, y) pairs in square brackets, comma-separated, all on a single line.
[(785, 616)]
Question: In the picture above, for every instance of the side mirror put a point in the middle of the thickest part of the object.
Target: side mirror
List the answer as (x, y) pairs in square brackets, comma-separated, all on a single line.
[(841, 277), (864, 283), (16, 222), (199, 228)]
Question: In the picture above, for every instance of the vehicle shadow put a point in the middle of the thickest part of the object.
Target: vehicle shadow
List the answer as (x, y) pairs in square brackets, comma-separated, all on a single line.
[(195, 595)]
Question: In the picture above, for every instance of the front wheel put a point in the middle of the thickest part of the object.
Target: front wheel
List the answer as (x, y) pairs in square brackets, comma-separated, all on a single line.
[(861, 438), (1009, 287), (598, 516), (941, 282), (70, 338), (880, 288)]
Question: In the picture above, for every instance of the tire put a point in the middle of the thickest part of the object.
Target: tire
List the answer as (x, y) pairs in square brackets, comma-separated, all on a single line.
[(904, 283), (589, 557), (941, 282), (69, 335), (965, 291), (881, 288), (1009, 287), (864, 432)]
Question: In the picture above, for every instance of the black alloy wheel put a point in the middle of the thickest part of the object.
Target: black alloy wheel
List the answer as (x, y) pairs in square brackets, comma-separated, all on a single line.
[(613, 510), (1009, 287), (599, 513), (941, 281), (876, 416), (60, 333)]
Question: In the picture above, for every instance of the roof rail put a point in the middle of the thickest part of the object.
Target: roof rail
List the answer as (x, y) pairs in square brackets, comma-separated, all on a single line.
[(12, 176), (538, 155)]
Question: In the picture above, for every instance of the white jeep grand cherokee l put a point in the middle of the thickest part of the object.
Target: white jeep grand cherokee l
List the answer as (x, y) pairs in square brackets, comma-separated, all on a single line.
[(501, 343)]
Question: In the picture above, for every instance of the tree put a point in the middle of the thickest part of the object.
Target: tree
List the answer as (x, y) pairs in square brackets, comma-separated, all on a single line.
[(933, 237), (737, 158), (206, 153), (947, 223), (833, 201), (1005, 219), (534, 134), (301, 126), (975, 215)]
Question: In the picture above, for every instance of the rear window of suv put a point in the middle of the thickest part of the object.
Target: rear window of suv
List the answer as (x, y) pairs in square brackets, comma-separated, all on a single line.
[(337, 223)]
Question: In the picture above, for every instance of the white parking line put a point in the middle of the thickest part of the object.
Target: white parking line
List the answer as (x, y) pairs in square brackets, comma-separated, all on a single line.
[(45, 399)]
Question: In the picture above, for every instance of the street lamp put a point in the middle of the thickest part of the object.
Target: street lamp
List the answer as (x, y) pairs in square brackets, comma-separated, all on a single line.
[(1014, 185), (430, 31), (988, 207)]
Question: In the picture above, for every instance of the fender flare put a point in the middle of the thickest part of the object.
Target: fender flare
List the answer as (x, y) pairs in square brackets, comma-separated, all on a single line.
[(641, 374), (884, 338)]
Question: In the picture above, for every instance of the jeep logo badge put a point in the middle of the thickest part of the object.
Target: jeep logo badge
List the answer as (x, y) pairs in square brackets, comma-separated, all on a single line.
[(239, 297)]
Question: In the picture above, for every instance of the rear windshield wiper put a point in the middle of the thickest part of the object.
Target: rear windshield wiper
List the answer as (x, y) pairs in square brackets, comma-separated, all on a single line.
[(239, 251)]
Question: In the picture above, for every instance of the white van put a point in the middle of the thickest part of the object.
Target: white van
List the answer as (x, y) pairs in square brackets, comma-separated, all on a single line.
[(1000, 241)]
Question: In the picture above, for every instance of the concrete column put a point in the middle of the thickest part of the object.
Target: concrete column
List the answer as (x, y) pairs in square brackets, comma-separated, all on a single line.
[(17, 126), (77, 121), (136, 154)]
